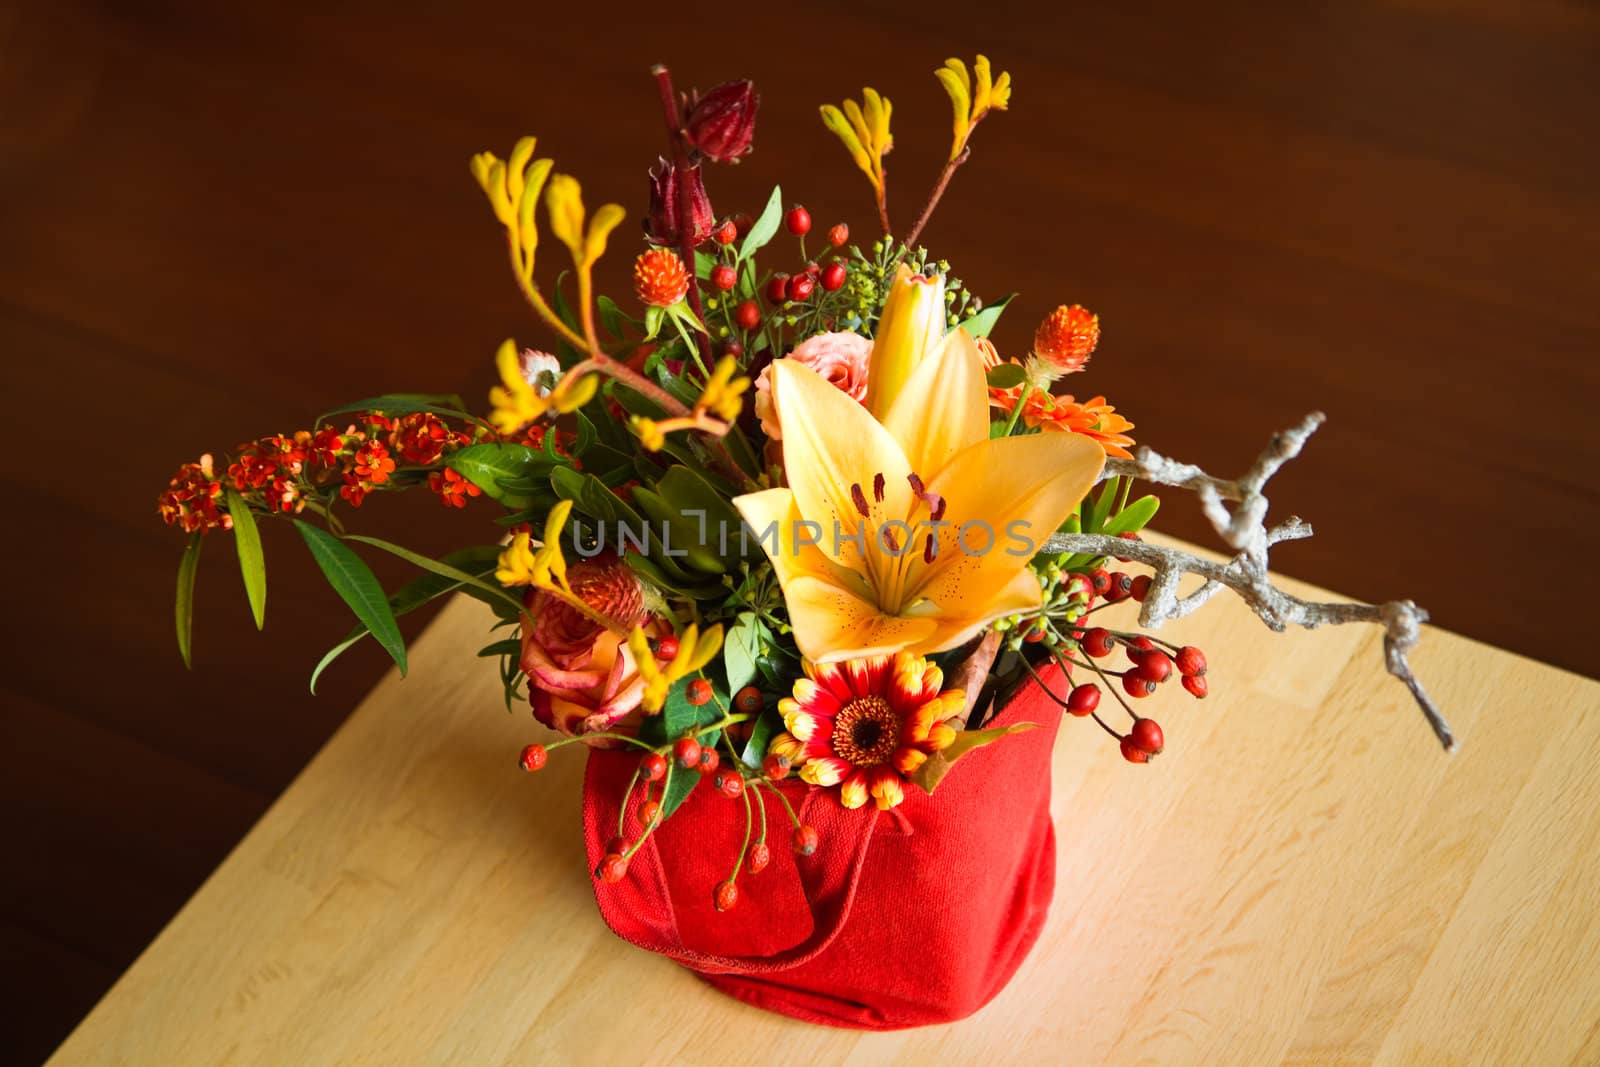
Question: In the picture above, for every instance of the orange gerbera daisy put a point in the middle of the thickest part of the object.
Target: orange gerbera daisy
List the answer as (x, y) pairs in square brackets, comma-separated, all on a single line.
[(1092, 418), (865, 724)]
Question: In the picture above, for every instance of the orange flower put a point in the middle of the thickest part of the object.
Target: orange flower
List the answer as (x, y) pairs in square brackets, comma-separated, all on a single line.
[(327, 443), (191, 499), (865, 724), (1064, 340), (421, 438), (452, 488), (659, 278), (372, 463), (1093, 417)]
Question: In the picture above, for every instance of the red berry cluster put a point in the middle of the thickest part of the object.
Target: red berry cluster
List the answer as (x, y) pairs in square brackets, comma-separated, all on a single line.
[(1151, 665), (785, 292), (732, 779)]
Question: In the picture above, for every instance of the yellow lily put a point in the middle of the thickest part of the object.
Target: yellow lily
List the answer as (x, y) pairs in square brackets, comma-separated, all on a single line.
[(910, 530), (911, 325)]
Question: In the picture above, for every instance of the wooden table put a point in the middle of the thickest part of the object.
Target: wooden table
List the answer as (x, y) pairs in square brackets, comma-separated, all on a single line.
[(1302, 878)]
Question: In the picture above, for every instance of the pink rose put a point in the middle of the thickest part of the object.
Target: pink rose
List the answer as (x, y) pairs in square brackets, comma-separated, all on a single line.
[(581, 675), (841, 358)]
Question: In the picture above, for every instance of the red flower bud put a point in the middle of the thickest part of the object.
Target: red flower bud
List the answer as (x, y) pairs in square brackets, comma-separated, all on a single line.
[(664, 226), (722, 123)]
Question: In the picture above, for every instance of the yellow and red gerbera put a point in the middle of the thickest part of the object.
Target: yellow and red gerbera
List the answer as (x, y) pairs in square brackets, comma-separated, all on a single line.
[(866, 724)]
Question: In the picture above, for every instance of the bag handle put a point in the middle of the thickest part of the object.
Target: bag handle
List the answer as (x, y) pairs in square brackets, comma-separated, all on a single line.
[(828, 880)]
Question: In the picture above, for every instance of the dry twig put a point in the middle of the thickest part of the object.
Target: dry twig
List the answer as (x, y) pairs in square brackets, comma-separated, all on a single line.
[(1243, 527)]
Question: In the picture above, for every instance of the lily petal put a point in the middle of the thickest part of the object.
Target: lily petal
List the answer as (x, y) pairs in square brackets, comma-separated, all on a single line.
[(831, 443), (832, 624), (943, 408), (1044, 478)]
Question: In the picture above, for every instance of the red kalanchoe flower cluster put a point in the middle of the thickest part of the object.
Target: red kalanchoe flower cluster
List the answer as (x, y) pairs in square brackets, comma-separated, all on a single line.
[(452, 489), (722, 124), (191, 499), (420, 438), (370, 468)]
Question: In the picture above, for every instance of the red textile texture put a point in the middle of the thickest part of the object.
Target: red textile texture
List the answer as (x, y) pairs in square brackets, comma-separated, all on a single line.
[(909, 917)]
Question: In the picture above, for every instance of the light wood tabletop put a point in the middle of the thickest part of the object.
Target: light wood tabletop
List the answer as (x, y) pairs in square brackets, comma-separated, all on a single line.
[(1304, 877)]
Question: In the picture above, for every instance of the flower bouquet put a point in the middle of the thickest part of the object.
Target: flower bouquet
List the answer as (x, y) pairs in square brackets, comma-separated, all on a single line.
[(807, 566)]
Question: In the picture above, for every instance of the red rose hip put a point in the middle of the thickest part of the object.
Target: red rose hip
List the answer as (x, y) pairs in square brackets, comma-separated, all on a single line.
[(1084, 699), (687, 751), (533, 757), (1146, 734), (798, 221), (833, 276), (806, 840), (747, 315), (653, 767), (724, 277)]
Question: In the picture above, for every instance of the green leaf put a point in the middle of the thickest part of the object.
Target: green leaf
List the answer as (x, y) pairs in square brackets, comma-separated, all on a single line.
[(442, 569), (1006, 375), (755, 749), (185, 609), (741, 649), (252, 564), (929, 775), (980, 324), (487, 465), (1100, 507), (764, 227), (357, 586), (334, 653), (511, 646), (680, 783), (1132, 518), (448, 405), (478, 560), (611, 316)]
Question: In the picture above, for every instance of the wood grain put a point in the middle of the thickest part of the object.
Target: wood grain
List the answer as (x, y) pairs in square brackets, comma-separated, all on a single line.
[(1302, 878), (219, 219)]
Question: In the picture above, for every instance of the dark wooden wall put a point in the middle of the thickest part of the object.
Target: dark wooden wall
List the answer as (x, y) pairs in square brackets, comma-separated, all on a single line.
[(218, 219)]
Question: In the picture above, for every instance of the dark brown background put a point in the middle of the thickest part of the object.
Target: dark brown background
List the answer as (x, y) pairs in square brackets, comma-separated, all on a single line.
[(216, 220)]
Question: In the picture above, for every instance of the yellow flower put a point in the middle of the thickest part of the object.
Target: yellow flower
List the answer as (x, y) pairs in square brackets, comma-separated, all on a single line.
[(649, 432), (723, 394), (971, 102), (514, 402), (546, 568), (513, 188), (695, 650), (911, 530), (864, 129), (516, 562), (564, 201), (911, 326)]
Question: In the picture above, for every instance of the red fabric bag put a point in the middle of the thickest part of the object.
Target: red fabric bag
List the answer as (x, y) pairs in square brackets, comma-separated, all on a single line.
[(908, 917)]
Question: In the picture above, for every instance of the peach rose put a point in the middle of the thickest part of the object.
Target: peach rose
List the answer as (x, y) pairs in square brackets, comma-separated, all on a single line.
[(841, 358), (581, 675)]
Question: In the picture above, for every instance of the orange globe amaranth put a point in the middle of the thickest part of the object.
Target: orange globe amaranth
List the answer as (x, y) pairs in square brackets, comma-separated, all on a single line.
[(660, 278)]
